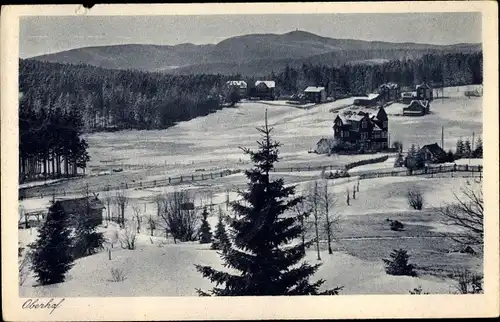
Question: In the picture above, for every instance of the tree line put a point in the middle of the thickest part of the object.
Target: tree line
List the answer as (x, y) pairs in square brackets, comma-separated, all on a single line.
[(120, 99), (49, 140), (437, 69)]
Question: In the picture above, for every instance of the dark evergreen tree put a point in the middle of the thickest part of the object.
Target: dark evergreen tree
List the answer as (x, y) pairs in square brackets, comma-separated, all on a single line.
[(450, 156), (398, 264), (87, 240), (220, 237), (261, 234), (467, 149), (478, 151), (459, 151), (205, 233), (52, 252)]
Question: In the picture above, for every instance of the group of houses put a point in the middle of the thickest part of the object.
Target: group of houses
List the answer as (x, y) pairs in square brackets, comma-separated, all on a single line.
[(265, 90), (418, 101), (365, 127), (262, 89)]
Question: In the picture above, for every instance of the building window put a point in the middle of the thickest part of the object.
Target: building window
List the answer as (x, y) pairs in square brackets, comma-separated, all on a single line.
[(364, 135), (363, 124), (385, 124), (346, 134)]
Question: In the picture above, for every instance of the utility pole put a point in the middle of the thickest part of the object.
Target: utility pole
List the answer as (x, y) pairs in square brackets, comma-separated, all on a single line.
[(472, 148)]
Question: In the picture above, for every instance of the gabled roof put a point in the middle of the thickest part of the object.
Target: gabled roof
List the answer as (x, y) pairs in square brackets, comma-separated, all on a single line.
[(314, 89), (434, 148), (389, 86), (79, 205), (423, 85), (269, 84), (239, 83), (376, 127), (422, 103)]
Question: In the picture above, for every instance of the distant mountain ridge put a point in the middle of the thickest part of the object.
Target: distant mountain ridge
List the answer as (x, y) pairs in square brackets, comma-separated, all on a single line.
[(246, 54)]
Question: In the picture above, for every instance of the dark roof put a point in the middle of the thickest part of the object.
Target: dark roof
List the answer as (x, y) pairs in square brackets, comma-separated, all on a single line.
[(79, 205), (434, 148)]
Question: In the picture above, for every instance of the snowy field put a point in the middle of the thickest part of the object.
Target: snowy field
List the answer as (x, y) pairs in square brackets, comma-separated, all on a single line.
[(211, 143), (160, 268)]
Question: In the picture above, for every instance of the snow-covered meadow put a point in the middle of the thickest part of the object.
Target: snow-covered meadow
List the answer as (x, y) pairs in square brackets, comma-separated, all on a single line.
[(211, 143)]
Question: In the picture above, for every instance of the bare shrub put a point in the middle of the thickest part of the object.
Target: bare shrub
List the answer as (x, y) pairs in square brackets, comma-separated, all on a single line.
[(117, 275), (415, 198), (418, 291), (466, 213), (151, 224), (469, 283), (128, 238), (137, 216), (397, 225), (179, 216), (121, 200)]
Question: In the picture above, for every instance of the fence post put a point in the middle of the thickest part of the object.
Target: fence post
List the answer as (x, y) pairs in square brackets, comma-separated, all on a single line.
[(126, 185), (154, 183), (202, 176), (169, 179), (211, 175), (221, 174), (181, 178)]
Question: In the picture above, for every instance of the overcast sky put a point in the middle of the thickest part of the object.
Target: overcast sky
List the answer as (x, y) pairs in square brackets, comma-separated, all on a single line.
[(41, 35)]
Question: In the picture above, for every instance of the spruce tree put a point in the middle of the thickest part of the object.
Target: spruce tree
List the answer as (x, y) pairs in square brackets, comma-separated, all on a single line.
[(478, 151), (87, 240), (260, 248), (205, 233), (467, 149), (220, 236), (52, 256), (459, 152)]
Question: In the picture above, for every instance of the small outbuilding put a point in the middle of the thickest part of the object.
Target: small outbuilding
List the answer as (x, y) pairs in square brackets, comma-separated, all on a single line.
[(432, 153), (315, 94)]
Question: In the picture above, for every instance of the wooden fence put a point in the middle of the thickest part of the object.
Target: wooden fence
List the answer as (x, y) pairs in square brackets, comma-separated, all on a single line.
[(425, 171), (45, 190)]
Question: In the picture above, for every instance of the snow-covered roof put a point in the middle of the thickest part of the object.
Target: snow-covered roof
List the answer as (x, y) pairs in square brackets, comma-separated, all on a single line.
[(422, 103), (269, 84), (390, 85), (376, 127), (239, 83), (356, 117), (314, 89), (409, 94), (422, 85)]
